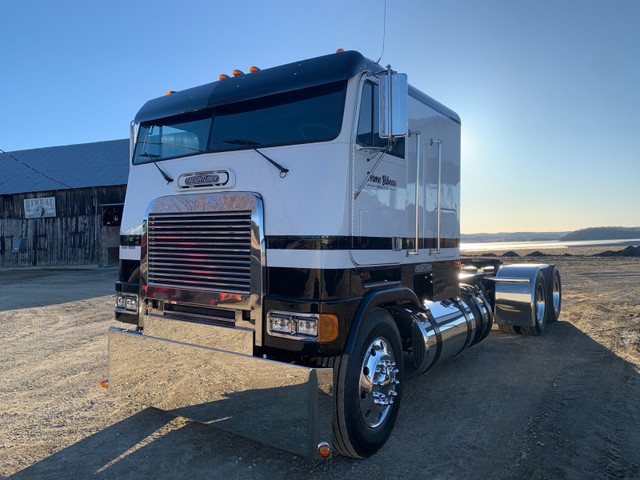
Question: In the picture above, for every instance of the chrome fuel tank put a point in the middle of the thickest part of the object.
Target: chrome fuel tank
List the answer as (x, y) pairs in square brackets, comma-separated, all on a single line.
[(445, 328)]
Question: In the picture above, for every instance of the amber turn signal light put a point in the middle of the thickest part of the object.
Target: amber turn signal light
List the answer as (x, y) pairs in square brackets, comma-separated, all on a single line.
[(324, 450), (327, 328)]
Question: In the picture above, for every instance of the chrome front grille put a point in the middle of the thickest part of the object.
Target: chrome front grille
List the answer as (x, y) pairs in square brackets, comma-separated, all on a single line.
[(200, 250)]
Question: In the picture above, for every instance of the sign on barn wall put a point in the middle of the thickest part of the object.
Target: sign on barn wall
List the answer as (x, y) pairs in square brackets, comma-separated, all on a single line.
[(40, 207)]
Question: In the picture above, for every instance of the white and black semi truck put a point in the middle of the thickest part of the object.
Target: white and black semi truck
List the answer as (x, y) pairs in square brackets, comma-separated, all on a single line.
[(290, 255)]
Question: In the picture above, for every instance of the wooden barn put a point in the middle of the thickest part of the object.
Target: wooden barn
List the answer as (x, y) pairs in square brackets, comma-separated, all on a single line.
[(61, 206)]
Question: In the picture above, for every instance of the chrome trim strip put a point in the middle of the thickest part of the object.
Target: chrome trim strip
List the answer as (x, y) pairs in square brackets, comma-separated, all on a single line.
[(416, 248), (382, 283), (439, 195), (508, 280)]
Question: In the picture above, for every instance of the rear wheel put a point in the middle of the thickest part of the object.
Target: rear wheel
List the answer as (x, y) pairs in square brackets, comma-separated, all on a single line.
[(508, 329), (368, 388), (554, 294), (540, 306)]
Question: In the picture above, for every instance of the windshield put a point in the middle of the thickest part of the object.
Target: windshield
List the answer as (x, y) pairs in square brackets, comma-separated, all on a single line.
[(309, 115)]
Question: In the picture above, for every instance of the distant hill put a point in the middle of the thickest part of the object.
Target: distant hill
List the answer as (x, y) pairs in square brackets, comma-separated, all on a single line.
[(602, 233), (511, 237)]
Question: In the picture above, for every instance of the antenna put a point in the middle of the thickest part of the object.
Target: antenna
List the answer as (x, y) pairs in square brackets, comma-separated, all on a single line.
[(384, 30)]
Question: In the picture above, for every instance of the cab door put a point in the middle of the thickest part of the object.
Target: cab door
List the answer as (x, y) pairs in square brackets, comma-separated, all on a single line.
[(379, 186)]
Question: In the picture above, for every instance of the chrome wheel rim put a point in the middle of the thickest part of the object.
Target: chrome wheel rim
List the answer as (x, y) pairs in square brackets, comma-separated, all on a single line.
[(377, 383), (540, 304)]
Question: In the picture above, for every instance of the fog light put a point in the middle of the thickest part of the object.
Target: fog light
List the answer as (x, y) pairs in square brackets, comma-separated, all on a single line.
[(308, 327)]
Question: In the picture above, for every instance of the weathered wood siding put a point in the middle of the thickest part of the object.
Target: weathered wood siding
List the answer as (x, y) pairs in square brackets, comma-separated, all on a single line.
[(75, 236)]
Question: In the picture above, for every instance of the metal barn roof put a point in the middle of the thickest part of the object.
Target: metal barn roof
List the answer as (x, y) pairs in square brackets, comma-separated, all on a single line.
[(98, 164)]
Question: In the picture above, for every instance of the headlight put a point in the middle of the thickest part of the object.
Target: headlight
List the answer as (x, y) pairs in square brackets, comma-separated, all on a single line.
[(308, 327), (302, 326), (127, 302), (281, 323), (131, 303), (120, 302)]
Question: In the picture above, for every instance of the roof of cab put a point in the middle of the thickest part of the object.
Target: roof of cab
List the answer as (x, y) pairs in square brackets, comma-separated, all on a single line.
[(270, 81), (284, 78)]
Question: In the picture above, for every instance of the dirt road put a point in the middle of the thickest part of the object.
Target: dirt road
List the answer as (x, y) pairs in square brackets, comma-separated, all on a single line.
[(563, 405)]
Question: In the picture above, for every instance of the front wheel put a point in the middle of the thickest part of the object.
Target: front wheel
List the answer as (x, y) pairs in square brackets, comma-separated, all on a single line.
[(368, 388)]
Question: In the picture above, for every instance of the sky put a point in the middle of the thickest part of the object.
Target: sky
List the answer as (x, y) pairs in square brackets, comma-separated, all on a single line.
[(548, 91)]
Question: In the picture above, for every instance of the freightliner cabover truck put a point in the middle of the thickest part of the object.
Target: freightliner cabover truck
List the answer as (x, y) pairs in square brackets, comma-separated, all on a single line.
[(290, 255)]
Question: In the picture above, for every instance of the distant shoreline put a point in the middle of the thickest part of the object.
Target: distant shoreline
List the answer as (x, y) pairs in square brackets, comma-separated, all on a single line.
[(546, 245), (582, 235)]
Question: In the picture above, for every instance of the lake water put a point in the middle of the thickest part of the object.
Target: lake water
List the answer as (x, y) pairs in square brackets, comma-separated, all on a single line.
[(546, 244)]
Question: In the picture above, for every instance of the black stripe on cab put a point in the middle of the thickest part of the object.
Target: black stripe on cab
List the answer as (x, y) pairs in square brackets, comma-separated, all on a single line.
[(329, 242)]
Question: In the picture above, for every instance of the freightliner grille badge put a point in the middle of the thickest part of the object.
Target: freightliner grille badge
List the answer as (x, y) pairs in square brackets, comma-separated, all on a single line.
[(202, 180), (218, 178)]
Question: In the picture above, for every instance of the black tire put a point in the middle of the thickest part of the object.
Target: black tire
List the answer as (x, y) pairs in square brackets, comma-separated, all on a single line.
[(484, 297), (554, 294), (469, 296), (509, 329), (540, 306), (360, 425)]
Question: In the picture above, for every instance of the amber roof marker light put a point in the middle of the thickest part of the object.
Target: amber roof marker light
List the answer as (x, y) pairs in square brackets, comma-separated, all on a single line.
[(223, 76), (237, 73), (254, 69)]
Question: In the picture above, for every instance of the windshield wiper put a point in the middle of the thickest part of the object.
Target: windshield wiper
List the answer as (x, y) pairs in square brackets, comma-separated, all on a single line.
[(250, 144), (164, 174)]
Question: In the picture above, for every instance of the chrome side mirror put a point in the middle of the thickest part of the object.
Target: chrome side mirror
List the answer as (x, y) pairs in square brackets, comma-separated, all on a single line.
[(394, 93)]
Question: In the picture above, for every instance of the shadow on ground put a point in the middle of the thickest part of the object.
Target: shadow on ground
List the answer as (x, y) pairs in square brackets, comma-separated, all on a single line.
[(556, 406), (38, 288)]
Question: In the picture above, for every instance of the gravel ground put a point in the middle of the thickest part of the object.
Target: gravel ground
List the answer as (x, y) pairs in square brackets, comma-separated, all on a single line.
[(563, 405)]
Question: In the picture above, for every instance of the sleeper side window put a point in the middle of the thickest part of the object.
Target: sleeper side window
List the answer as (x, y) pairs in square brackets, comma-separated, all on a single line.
[(368, 132)]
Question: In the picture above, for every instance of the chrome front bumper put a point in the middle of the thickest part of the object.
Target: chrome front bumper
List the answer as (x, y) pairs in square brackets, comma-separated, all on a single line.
[(283, 405)]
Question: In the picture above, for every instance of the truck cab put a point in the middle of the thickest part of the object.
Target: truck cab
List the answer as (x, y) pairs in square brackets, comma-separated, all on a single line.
[(290, 252)]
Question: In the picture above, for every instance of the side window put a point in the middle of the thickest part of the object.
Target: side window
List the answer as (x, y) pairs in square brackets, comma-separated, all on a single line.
[(368, 132)]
